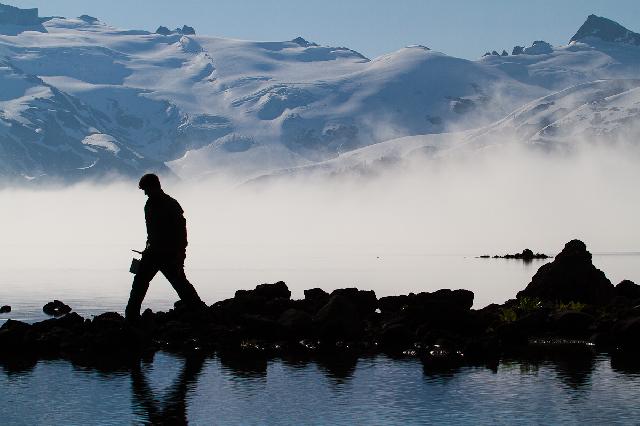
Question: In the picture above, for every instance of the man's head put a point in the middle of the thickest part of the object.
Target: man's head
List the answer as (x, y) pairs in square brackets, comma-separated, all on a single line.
[(150, 184)]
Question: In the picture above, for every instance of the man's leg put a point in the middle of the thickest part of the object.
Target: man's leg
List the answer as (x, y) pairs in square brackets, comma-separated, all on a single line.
[(147, 270), (173, 270)]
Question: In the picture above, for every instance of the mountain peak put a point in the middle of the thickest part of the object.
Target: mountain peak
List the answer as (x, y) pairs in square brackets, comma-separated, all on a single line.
[(606, 30)]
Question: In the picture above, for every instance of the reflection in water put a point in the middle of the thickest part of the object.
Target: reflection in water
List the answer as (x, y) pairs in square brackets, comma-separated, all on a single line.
[(572, 387), (338, 369), (243, 366), (173, 409)]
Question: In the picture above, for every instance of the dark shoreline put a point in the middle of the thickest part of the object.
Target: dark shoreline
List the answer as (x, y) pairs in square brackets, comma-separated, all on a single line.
[(569, 308)]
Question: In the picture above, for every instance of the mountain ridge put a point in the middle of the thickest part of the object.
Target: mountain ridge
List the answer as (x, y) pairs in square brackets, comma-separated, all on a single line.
[(205, 105)]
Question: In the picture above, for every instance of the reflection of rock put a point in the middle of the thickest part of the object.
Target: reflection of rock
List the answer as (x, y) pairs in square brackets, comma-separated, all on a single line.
[(56, 308), (570, 277)]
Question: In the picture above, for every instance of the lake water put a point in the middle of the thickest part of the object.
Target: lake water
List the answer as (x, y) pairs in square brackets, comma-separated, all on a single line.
[(368, 391), (374, 390)]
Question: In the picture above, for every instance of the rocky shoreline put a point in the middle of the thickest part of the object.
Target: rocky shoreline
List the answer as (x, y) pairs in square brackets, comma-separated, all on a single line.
[(568, 305)]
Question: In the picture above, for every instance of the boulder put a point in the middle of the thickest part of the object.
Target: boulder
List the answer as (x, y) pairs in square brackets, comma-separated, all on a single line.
[(295, 321), (447, 299), (5, 309), (572, 323), (12, 336), (338, 319), (571, 277), (267, 291), (393, 304), (364, 301), (315, 298), (627, 334), (628, 289), (56, 308)]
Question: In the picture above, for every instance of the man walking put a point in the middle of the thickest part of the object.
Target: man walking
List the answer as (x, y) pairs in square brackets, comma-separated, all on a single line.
[(165, 250)]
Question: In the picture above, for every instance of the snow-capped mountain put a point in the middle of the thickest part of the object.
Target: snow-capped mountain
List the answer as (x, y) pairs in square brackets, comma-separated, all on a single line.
[(82, 99)]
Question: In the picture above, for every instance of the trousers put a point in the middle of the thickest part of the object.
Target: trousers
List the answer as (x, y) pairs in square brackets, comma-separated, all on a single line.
[(172, 267)]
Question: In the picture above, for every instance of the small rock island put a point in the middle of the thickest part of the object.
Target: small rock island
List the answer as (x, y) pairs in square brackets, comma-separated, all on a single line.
[(526, 255)]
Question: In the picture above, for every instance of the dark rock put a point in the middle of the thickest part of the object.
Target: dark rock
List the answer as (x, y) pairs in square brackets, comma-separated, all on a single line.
[(628, 289), (187, 30), (494, 53), (539, 47), (529, 325), (570, 277), (606, 30), (364, 301), (5, 309), (527, 255), (396, 336), (572, 323), (517, 50), (12, 336), (56, 308), (338, 319), (296, 321), (162, 30), (446, 298), (392, 304), (627, 334), (316, 296), (108, 320), (504, 53), (88, 19), (267, 291)]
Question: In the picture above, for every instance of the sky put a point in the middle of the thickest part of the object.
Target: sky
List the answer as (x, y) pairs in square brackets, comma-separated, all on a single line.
[(462, 28)]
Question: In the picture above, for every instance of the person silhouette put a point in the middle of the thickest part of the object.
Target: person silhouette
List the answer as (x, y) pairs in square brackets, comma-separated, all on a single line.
[(165, 249)]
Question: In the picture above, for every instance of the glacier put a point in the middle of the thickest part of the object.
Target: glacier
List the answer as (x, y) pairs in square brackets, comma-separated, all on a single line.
[(81, 99)]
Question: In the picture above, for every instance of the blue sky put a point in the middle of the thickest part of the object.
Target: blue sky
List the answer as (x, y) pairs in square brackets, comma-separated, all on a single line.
[(460, 28)]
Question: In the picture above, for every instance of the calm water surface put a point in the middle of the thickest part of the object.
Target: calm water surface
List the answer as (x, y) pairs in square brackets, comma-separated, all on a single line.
[(375, 390), (368, 391)]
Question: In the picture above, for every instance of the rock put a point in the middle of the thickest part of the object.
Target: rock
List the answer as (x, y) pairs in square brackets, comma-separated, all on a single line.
[(364, 301), (267, 291), (396, 336), (338, 319), (628, 289), (517, 50), (56, 308), (162, 30), (627, 334), (572, 323), (539, 47), (606, 30), (392, 304), (12, 336), (447, 299), (5, 309), (296, 321), (108, 320), (571, 277), (504, 53), (316, 296), (187, 30)]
